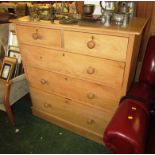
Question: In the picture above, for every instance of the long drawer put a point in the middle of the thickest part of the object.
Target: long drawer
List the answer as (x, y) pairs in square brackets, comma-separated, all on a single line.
[(104, 46), (39, 36), (76, 113), (104, 71), (76, 89)]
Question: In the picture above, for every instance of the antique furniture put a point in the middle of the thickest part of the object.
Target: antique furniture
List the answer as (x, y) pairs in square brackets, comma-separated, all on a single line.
[(77, 74), (11, 88), (132, 126), (11, 91)]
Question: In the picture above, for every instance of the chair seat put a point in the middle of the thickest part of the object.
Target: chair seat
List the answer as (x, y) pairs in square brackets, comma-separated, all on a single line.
[(19, 88)]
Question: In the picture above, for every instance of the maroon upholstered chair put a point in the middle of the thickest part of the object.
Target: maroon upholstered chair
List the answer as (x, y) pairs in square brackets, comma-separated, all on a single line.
[(128, 130), (148, 69)]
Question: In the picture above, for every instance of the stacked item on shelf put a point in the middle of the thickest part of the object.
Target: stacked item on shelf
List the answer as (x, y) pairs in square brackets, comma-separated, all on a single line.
[(13, 51)]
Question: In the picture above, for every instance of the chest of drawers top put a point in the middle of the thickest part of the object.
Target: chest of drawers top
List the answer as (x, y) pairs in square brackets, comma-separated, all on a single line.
[(135, 26)]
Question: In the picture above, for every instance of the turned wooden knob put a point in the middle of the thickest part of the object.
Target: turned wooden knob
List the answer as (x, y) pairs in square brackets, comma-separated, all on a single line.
[(91, 95), (90, 121), (46, 105), (35, 35), (90, 70), (91, 44), (40, 57), (43, 81)]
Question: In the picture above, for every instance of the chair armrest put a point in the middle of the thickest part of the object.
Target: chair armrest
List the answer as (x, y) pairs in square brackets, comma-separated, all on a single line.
[(126, 132), (15, 89), (11, 82)]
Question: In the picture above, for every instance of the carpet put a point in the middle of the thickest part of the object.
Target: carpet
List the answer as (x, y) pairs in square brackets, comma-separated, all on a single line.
[(37, 136)]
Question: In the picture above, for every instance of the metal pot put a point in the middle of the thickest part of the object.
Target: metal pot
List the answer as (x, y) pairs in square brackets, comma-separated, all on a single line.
[(124, 8), (107, 6), (118, 18), (88, 9)]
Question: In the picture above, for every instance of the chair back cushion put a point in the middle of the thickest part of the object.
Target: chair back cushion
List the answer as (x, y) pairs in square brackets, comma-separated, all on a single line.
[(147, 74)]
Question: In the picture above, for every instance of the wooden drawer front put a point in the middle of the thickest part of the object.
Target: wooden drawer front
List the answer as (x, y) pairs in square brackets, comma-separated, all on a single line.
[(39, 36), (76, 113), (76, 89), (104, 46), (35, 56), (107, 72)]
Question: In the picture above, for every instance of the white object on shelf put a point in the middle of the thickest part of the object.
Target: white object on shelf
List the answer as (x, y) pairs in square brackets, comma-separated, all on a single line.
[(97, 10), (13, 39)]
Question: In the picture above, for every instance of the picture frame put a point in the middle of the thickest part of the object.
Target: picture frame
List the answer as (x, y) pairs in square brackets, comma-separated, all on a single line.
[(18, 67), (7, 69), (15, 54)]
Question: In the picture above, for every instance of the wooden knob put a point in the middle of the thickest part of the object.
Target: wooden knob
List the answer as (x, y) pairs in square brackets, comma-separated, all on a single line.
[(43, 81), (35, 35), (67, 100), (66, 78), (46, 105), (90, 70), (91, 95), (90, 121), (91, 44), (40, 57)]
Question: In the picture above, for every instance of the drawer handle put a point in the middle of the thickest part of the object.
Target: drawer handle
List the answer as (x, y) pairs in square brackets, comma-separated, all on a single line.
[(35, 35), (43, 81), (40, 57), (46, 105), (66, 78), (90, 70), (67, 100), (91, 95), (91, 44), (90, 121)]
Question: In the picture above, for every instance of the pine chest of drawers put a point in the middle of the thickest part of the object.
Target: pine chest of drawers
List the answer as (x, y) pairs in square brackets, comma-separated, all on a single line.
[(77, 74)]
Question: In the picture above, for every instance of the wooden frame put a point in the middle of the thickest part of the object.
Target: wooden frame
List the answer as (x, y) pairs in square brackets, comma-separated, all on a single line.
[(19, 66), (15, 54), (7, 69)]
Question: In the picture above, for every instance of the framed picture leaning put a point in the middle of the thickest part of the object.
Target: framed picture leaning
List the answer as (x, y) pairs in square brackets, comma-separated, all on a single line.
[(7, 68)]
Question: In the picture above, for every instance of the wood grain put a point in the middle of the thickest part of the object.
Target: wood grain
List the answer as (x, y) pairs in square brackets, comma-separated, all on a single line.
[(80, 90), (37, 35), (98, 70), (105, 46), (72, 115)]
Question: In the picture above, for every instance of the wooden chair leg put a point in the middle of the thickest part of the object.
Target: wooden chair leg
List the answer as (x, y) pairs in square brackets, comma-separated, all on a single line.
[(7, 104), (9, 111)]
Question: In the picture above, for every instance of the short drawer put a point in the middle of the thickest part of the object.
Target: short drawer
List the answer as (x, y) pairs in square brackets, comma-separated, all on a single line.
[(79, 90), (104, 46), (39, 36), (101, 70), (73, 112)]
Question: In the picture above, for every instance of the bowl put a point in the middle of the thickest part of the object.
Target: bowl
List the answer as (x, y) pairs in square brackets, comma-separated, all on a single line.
[(88, 9)]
